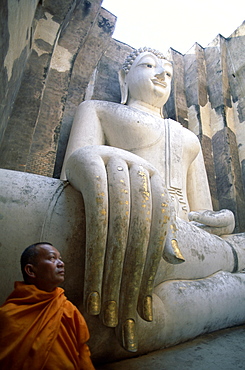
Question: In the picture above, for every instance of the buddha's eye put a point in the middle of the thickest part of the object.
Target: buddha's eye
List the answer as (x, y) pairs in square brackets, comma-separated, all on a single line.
[(149, 65), (168, 74)]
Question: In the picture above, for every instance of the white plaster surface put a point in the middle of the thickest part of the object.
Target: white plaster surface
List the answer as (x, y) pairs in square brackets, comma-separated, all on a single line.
[(220, 350)]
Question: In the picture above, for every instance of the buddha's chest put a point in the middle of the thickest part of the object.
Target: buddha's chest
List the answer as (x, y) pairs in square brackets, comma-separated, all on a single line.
[(158, 142), (132, 130)]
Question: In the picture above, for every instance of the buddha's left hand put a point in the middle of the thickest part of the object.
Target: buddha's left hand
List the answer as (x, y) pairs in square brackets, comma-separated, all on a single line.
[(215, 222)]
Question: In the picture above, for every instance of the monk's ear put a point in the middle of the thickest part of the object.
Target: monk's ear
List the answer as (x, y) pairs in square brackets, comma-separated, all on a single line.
[(29, 269), (123, 86)]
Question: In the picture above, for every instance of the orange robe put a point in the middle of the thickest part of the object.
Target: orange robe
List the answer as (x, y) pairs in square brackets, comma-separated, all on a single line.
[(42, 330)]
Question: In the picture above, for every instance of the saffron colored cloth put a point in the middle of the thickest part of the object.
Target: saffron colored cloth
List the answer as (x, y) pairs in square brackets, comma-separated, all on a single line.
[(42, 330)]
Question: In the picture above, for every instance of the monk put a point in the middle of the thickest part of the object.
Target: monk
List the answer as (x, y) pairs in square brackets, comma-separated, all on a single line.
[(40, 328)]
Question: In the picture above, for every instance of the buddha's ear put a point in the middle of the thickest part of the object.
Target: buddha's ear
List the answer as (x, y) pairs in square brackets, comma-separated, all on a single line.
[(161, 112), (123, 86)]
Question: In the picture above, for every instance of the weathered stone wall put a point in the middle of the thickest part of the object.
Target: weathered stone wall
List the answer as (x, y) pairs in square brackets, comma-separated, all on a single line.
[(68, 41), (214, 81), (55, 54), (17, 25)]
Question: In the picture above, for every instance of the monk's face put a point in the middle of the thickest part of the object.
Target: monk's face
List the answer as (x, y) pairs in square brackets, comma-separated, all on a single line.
[(149, 79), (49, 270)]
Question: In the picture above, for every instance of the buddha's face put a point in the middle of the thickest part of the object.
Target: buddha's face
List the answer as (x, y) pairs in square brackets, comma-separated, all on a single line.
[(149, 80)]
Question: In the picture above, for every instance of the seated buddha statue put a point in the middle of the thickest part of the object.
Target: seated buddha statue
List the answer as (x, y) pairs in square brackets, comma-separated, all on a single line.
[(149, 215)]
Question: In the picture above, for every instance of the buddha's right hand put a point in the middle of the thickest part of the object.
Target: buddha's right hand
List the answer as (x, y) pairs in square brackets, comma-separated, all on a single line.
[(127, 217)]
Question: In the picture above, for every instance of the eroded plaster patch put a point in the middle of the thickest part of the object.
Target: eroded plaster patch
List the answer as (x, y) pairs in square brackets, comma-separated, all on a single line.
[(216, 120), (46, 30), (193, 122), (205, 118), (61, 60), (20, 17), (237, 127)]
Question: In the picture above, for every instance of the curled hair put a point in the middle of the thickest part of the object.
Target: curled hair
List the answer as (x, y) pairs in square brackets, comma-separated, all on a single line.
[(29, 255), (132, 56)]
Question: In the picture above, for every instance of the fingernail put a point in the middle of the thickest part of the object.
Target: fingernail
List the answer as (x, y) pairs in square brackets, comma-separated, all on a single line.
[(176, 250), (110, 314), (130, 340), (147, 308), (93, 303)]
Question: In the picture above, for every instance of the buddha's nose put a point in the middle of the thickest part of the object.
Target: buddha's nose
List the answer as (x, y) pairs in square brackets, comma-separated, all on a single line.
[(161, 73)]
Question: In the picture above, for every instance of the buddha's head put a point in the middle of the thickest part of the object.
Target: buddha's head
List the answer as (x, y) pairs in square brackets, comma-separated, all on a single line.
[(146, 77)]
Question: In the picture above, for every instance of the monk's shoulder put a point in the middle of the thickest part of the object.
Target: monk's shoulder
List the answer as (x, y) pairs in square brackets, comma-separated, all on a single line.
[(70, 310), (74, 318), (7, 317)]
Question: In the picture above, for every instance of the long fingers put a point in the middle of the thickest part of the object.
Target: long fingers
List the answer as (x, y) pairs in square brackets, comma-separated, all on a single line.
[(158, 233), (139, 231), (119, 195), (124, 195), (89, 176)]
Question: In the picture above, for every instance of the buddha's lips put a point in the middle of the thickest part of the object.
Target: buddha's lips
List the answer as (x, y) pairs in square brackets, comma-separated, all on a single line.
[(158, 82)]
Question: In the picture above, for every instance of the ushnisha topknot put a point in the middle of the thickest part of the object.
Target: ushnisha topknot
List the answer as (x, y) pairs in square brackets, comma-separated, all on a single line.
[(132, 56)]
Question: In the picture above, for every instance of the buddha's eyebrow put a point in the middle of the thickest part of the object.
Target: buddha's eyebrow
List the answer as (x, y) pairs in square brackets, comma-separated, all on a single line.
[(147, 56), (169, 65)]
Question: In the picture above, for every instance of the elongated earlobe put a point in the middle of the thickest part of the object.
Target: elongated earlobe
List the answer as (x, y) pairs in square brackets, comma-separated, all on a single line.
[(123, 86), (161, 112)]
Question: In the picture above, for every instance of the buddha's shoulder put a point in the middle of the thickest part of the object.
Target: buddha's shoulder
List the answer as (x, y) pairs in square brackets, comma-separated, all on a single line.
[(104, 108), (99, 105), (182, 131)]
